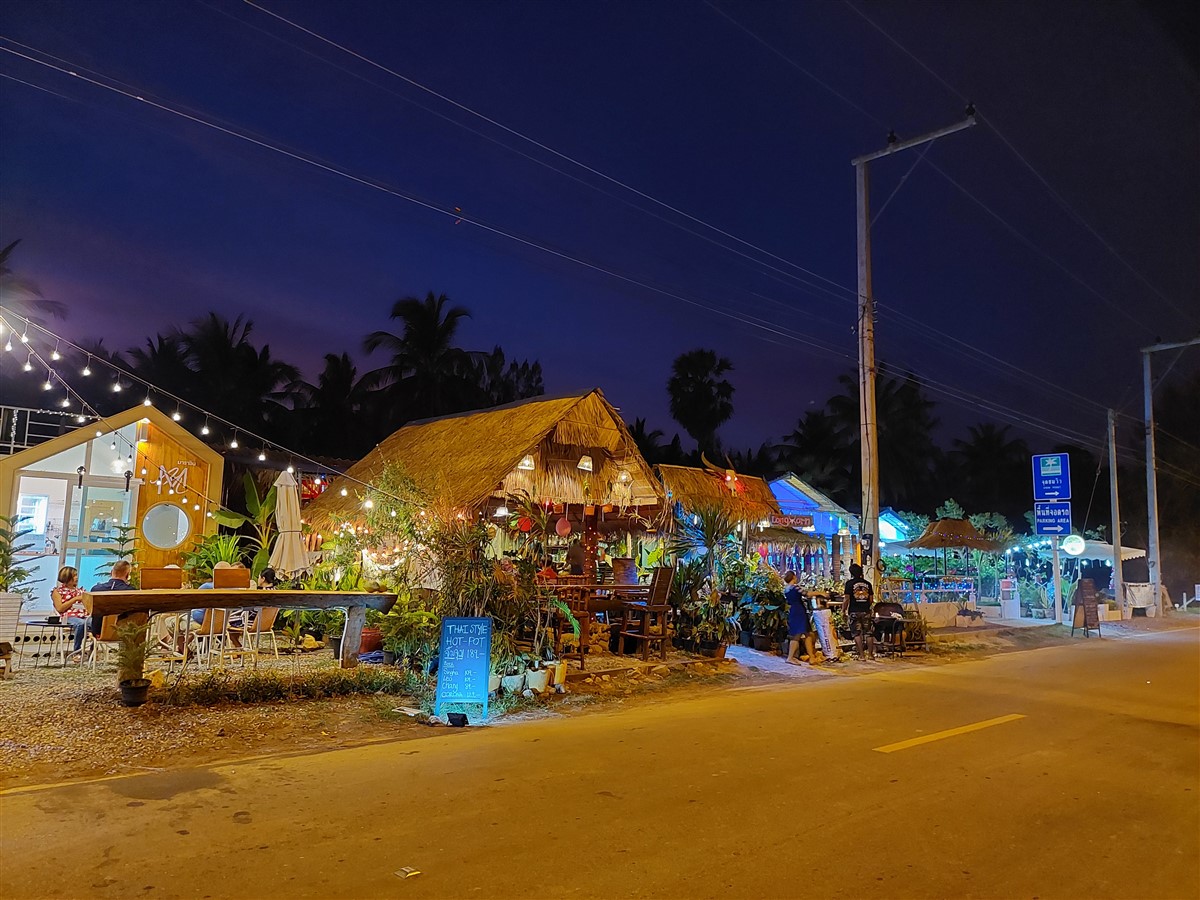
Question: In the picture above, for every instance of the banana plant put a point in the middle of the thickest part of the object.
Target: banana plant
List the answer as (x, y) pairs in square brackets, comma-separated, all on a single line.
[(261, 517)]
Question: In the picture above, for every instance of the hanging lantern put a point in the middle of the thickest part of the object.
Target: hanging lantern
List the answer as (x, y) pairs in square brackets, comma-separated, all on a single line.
[(562, 527), (526, 464), (762, 550), (525, 524), (585, 463)]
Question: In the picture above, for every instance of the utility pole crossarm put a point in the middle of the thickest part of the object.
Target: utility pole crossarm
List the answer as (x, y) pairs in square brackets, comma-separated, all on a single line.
[(915, 142)]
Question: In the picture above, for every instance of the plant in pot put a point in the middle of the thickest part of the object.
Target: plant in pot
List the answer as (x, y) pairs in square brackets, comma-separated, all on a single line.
[(16, 582), (132, 646), (715, 622), (769, 616)]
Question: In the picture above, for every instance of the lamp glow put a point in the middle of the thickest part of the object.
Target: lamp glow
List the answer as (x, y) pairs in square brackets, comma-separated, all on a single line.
[(526, 464)]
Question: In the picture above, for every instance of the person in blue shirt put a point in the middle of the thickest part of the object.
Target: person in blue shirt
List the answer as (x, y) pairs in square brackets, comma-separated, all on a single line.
[(800, 626)]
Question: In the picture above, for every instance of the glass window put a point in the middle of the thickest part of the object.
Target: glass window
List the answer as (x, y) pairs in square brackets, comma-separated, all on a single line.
[(68, 461), (107, 461)]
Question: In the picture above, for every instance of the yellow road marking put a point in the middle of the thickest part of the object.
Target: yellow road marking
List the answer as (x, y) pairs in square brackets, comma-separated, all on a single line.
[(950, 732)]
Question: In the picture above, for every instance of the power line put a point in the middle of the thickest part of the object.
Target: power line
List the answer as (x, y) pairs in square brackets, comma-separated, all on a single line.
[(1054, 194)]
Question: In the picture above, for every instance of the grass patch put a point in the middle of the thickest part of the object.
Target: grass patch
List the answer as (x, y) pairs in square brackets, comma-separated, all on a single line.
[(266, 686)]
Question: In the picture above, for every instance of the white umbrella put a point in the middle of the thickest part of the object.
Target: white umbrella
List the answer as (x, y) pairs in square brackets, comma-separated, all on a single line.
[(1102, 551), (289, 555)]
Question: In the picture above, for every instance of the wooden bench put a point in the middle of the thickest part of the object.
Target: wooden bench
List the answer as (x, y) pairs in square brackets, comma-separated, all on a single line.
[(127, 604)]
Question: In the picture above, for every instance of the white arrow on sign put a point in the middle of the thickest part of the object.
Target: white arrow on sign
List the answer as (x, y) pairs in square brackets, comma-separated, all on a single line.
[(1055, 528)]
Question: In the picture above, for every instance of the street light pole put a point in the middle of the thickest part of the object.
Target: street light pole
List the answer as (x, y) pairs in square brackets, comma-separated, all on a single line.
[(1154, 556), (868, 424)]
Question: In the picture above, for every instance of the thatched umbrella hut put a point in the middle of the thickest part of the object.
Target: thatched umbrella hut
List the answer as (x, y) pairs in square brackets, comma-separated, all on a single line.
[(744, 498), (573, 454)]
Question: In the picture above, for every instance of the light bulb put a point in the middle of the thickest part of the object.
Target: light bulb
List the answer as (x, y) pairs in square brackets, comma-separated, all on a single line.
[(87, 370), (345, 492), (113, 445), (81, 419), (28, 367), (291, 470), (233, 445), (66, 401), (368, 504), (147, 402), (196, 507), (262, 457), (25, 338), (143, 471), (204, 430), (47, 384), (8, 345), (99, 434), (55, 355), (116, 387), (175, 416)]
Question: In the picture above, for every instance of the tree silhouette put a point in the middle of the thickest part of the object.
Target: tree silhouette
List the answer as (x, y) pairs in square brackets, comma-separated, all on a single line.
[(701, 399), (992, 469), (22, 296)]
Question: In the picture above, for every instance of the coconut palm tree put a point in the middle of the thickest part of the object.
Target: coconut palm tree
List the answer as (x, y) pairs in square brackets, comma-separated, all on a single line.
[(992, 468), (816, 451), (425, 374), (328, 416), (649, 443), (701, 399), (22, 296)]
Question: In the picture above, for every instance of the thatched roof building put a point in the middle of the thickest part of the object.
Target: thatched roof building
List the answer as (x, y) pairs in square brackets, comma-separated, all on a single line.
[(535, 446), (744, 497)]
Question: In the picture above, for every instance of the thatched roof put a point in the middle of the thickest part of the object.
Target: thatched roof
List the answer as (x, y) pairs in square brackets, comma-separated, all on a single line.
[(788, 536), (954, 533), (463, 460), (748, 501)]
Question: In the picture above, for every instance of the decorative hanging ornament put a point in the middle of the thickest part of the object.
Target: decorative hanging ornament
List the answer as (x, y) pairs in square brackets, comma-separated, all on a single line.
[(562, 527), (525, 524), (762, 550)]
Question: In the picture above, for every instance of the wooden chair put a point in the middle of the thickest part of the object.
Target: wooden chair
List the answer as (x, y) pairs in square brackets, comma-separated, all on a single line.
[(166, 578), (105, 641), (646, 624), (576, 598), (231, 579)]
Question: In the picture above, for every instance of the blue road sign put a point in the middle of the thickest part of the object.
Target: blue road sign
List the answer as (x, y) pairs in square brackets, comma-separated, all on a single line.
[(1052, 518), (1052, 477)]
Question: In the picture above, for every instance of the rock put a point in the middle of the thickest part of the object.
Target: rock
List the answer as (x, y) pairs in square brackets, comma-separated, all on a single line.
[(661, 671), (606, 678), (560, 689)]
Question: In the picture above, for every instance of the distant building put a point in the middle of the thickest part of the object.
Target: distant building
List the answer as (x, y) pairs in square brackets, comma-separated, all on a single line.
[(835, 526)]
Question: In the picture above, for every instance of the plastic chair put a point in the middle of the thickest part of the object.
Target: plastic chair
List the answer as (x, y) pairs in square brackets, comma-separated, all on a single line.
[(106, 640)]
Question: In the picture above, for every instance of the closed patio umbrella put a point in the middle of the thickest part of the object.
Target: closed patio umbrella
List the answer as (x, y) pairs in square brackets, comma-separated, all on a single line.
[(289, 556)]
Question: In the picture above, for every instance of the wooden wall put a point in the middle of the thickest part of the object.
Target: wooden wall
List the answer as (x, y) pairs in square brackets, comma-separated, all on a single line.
[(180, 470)]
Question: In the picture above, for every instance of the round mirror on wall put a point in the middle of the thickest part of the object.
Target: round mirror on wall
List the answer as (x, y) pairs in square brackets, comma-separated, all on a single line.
[(165, 526)]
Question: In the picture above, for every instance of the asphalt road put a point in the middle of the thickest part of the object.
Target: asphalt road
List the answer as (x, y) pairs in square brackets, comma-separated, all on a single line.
[(771, 792)]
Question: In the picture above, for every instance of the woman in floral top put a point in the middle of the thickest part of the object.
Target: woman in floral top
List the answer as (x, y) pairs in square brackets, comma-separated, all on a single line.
[(67, 604)]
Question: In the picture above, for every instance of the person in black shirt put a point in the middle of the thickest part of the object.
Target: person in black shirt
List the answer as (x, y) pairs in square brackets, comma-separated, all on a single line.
[(857, 604)]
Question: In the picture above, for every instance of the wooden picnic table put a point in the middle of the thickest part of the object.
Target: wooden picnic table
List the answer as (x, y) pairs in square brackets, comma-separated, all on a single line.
[(153, 602)]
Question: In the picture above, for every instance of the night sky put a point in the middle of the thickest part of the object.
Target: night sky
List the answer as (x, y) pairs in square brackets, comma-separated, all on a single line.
[(139, 220)]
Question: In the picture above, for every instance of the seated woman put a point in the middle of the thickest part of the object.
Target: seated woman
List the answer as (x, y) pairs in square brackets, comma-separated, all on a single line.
[(67, 604)]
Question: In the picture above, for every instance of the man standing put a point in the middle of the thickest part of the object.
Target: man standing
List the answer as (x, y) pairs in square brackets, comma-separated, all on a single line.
[(857, 604)]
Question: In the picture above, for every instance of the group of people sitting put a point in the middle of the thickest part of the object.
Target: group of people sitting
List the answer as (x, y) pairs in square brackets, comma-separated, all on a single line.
[(68, 604), (858, 606)]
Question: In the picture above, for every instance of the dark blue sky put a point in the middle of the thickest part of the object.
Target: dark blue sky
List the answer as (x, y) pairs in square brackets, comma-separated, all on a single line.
[(139, 220)]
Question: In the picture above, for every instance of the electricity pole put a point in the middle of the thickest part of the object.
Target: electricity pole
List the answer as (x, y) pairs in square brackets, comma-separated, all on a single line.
[(1115, 501), (1154, 555), (868, 426)]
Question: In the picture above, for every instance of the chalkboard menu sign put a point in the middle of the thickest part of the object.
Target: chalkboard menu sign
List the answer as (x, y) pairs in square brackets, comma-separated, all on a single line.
[(464, 663), (1086, 612)]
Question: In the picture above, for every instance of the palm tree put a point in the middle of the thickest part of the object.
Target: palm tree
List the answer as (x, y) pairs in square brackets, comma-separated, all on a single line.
[(426, 370), (701, 399), (993, 468), (816, 451), (329, 415), (649, 443), (22, 296)]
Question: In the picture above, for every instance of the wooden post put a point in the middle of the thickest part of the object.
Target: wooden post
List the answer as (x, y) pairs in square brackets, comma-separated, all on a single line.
[(356, 617)]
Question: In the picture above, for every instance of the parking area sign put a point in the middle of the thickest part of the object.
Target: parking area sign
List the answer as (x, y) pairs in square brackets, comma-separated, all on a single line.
[(1052, 477), (1052, 518)]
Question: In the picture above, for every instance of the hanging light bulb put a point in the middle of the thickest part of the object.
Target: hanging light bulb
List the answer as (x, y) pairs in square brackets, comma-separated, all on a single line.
[(143, 470), (81, 419), (8, 345), (368, 504), (87, 367), (345, 492), (262, 457), (28, 367), (113, 445), (117, 386), (526, 464), (204, 430), (66, 401), (25, 336), (54, 354), (48, 384), (233, 445), (147, 402), (291, 470), (176, 416), (196, 507)]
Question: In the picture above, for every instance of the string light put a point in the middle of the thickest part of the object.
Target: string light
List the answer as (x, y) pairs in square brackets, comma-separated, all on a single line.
[(177, 415), (262, 457), (66, 402), (28, 367), (48, 384), (204, 430), (345, 492), (25, 336), (117, 386), (87, 367), (113, 445), (54, 354), (291, 470), (147, 402), (233, 445), (368, 504), (8, 345)]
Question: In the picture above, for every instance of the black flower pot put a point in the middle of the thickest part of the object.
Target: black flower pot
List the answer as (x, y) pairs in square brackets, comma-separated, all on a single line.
[(133, 692), (335, 644), (389, 658)]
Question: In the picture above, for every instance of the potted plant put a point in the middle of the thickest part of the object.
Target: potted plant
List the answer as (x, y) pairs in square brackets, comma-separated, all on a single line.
[(16, 582), (504, 654), (132, 646)]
